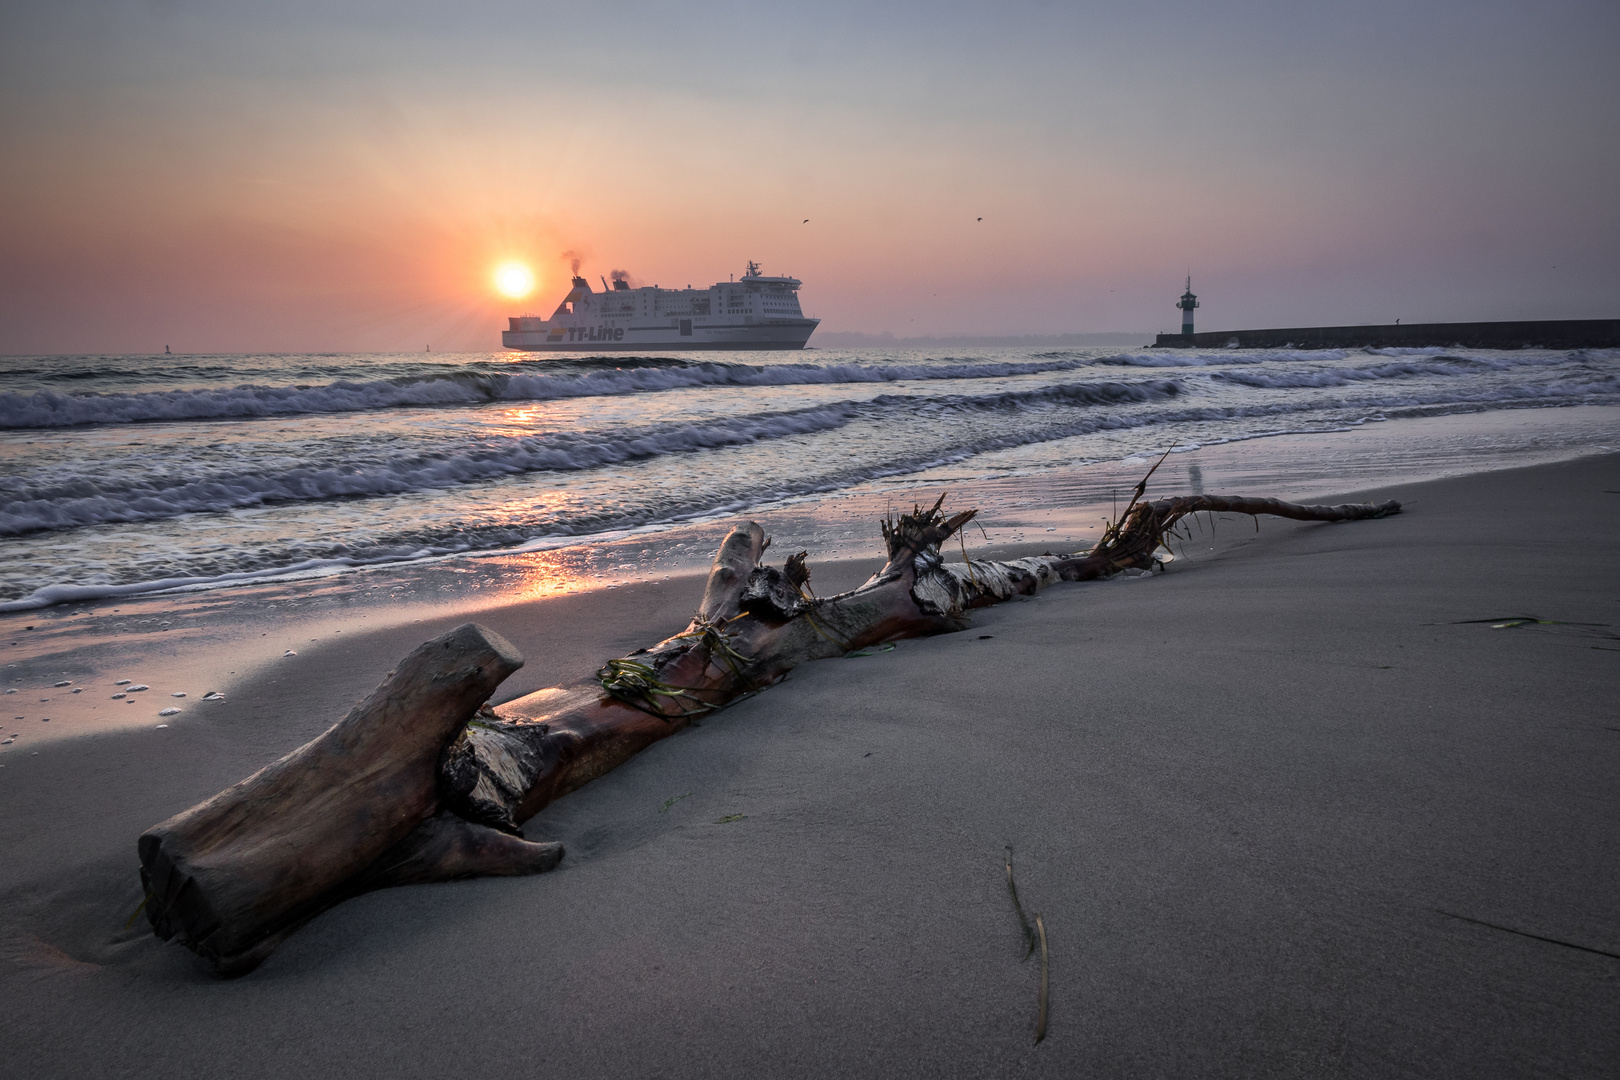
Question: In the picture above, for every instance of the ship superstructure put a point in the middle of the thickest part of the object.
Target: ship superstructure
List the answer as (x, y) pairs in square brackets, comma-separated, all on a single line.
[(756, 312)]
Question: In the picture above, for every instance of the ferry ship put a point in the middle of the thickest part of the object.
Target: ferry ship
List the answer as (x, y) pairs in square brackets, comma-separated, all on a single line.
[(758, 312)]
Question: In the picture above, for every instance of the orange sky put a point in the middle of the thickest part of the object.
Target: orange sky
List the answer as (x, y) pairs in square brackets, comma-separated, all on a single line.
[(298, 177)]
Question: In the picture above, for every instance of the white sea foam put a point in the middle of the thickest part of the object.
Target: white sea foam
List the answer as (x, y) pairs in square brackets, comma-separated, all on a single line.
[(97, 496), (473, 541), (88, 499), (54, 409), (1051, 412), (51, 409), (1439, 364), (1178, 358), (92, 511)]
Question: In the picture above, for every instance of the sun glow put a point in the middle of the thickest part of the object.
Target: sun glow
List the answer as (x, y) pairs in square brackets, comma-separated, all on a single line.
[(514, 280)]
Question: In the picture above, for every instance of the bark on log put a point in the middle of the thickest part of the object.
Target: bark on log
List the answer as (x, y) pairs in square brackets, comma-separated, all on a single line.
[(374, 802), (230, 877)]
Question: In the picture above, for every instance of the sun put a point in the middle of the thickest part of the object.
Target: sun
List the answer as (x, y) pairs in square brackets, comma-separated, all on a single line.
[(514, 280)]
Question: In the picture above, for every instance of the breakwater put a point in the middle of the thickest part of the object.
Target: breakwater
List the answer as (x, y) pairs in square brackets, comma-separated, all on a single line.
[(1547, 334)]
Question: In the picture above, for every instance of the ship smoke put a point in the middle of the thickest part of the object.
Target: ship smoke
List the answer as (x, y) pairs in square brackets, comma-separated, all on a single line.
[(620, 275), (574, 261)]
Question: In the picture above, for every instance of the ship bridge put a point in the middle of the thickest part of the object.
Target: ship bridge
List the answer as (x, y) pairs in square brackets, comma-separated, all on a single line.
[(752, 278)]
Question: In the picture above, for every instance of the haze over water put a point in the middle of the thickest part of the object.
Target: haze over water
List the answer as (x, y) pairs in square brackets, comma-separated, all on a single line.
[(121, 474), (292, 176)]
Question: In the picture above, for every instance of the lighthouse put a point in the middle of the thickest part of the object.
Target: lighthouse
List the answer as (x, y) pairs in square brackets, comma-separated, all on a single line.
[(1187, 302)]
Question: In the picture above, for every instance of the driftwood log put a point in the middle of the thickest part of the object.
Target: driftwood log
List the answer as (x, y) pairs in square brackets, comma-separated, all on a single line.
[(233, 876), (424, 782)]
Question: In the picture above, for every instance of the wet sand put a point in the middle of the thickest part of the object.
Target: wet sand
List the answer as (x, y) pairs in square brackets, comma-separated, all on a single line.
[(1286, 810)]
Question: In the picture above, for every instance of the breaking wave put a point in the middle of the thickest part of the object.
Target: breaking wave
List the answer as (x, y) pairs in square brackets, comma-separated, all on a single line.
[(1189, 359), (51, 409), (88, 499), (93, 510), (1440, 364), (99, 497)]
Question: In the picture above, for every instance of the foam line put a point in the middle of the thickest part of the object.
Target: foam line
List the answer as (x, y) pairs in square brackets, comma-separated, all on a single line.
[(51, 409)]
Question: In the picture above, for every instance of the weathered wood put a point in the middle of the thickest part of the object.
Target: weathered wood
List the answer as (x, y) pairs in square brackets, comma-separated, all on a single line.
[(236, 872), (728, 576), (757, 623), (533, 750), (374, 802), (448, 848), (442, 848)]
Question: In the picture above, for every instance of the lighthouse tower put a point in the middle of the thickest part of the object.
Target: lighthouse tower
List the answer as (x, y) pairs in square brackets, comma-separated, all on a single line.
[(1187, 302)]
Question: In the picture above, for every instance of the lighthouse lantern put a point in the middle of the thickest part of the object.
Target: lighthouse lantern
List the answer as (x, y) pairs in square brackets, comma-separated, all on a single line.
[(1187, 302)]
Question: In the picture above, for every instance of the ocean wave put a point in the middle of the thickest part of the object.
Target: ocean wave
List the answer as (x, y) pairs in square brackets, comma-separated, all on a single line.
[(479, 384), (93, 499), (104, 496), (1178, 358), (54, 409), (474, 538), (81, 496), (970, 425), (314, 557), (1500, 361), (1438, 363), (70, 594), (1322, 377)]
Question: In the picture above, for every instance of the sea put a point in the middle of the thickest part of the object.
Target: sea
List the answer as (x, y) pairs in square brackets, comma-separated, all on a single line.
[(124, 475)]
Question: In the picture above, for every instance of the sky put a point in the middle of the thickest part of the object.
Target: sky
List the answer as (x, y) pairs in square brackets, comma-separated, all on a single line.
[(288, 176)]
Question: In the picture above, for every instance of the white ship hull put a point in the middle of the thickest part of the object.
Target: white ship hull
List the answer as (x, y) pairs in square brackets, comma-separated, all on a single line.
[(782, 335), (757, 312)]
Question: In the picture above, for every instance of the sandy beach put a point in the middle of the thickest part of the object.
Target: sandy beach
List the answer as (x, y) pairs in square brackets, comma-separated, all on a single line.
[(1300, 806)]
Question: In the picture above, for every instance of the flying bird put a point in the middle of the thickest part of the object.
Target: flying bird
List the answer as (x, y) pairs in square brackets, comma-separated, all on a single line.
[(978, 219), (806, 221)]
